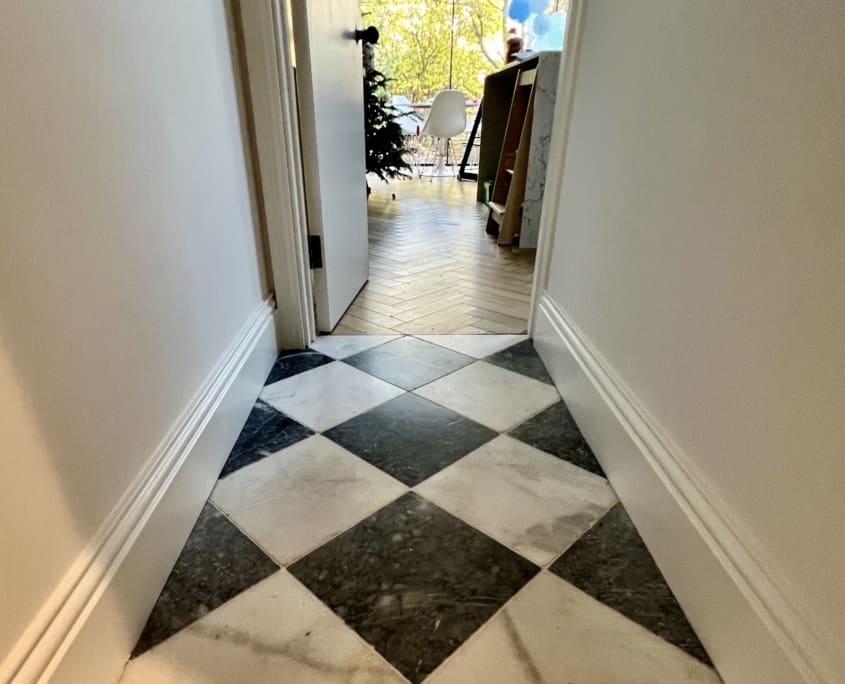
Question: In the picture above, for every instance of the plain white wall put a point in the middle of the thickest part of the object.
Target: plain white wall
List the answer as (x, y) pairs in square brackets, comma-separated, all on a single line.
[(700, 247), (130, 258)]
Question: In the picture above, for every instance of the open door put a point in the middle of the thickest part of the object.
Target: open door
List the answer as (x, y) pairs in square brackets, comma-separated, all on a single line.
[(331, 115)]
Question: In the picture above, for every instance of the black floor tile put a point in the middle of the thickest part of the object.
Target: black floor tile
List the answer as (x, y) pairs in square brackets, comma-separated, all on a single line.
[(554, 431), (410, 438), (612, 564), (217, 563), (294, 362), (408, 362), (521, 358), (265, 432), (413, 581)]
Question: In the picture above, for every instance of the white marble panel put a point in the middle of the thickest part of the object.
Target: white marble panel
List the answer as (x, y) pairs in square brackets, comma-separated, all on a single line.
[(477, 346), (492, 396), (553, 633), (530, 501), (276, 631)]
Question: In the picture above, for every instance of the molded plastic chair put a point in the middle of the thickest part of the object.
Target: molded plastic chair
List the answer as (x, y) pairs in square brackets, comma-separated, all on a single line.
[(446, 119)]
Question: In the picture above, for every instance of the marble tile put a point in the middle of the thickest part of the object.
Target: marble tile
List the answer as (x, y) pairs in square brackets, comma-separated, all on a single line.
[(477, 346), (295, 500), (612, 564), (555, 431), (522, 358), (290, 363), (490, 395), (530, 501), (265, 432), (341, 346), (551, 633), (217, 562), (410, 437), (409, 362), (326, 396), (413, 581), (276, 632)]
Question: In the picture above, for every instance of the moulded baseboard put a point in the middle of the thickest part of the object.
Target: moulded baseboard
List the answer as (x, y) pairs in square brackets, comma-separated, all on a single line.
[(743, 616), (92, 620)]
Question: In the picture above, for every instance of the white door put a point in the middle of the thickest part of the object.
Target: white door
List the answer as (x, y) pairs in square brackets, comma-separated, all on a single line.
[(331, 115)]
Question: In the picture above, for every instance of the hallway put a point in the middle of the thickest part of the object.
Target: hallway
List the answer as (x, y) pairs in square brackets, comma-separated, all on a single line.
[(404, 509), (433, 269)]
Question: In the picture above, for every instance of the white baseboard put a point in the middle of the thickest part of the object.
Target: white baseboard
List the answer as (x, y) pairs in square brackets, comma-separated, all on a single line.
[(89, 625), (742, 614)]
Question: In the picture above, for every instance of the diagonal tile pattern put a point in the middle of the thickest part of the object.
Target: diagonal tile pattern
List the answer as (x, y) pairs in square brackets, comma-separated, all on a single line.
[(442, 583), (433, 268)]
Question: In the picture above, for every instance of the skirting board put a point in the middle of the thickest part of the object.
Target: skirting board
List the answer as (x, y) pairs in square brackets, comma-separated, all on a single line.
[(751, 631), (90, 624)]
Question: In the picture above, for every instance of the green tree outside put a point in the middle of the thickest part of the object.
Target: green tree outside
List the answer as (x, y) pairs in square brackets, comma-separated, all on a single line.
[(413, 50)]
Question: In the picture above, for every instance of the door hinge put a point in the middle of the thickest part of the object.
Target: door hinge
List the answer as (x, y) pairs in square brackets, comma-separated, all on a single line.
[(315, 251)]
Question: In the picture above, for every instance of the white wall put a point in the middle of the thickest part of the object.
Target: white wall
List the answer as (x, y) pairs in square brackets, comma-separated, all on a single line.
[(130, 259), (700, 249)]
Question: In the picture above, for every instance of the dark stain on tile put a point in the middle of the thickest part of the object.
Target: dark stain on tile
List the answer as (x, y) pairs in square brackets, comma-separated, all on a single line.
[(292, 363), (217, 562), (521, 358), (413, 581), (265, 432), (410, 438), (554, 431), (612, 564), (408, 362)]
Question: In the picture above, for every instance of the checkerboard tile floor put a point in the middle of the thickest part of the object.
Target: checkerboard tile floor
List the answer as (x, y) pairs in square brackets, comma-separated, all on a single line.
[(402, 509)]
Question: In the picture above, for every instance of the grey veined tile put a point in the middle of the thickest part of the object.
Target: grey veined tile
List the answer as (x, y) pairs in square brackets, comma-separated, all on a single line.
[(612, 564), (341, 346), (413, 581), (276, 632), (477, 346), (553, 633), (522, 358), (293, 501), (217, 562), (530, 501)]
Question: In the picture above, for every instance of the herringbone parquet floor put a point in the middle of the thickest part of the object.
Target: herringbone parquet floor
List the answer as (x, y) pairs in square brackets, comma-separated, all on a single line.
[(433, 269)]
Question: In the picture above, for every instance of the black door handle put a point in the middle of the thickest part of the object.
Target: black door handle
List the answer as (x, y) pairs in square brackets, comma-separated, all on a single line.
[(368, 35)]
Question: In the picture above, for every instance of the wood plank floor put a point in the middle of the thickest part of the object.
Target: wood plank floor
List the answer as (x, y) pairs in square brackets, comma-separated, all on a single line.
[(434, 270)]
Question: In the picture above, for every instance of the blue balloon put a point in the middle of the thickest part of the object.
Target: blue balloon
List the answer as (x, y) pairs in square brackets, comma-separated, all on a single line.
[(539, 6), (519, 10), (541, 25)]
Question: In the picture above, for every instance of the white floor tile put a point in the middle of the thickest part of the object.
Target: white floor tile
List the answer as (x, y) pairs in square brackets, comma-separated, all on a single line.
[(276, 631), (294, 501), (477, 346), (530, 501), (553, 633), (341, 346), (329, 395), (492, 396)]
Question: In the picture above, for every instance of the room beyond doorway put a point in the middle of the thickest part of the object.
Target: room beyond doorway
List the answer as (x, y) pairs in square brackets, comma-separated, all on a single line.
[(434, 270)]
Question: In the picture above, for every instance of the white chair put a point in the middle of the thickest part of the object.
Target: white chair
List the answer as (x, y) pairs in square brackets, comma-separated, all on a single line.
[(446, 119)]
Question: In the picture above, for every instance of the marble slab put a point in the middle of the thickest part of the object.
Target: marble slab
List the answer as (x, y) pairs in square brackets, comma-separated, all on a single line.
[(477, 346), (522, 358), (492, 396), (551, 633), (530, 501), (410, 437), (295, 500), (413, 581), (290, 363), (408, 362), (341, 346), (327, 396), (275, 632), (554, 431), (265, 432), (217, 563), (612, 564)]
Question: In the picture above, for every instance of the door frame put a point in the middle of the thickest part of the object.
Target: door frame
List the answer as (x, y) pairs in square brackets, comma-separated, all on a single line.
[(272, 91), (272, 94)]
